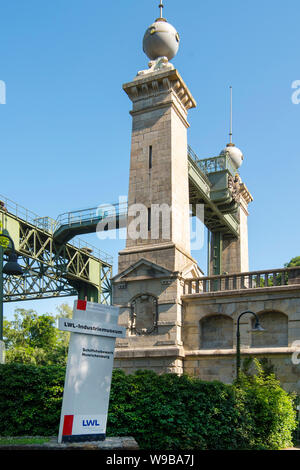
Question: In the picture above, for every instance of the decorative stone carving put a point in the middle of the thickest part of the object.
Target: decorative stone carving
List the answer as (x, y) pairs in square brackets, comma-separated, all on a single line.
[(234, 187), (144, 315), (157, 65)]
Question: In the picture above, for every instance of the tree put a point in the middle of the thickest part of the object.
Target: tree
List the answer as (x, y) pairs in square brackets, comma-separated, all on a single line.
[(294, 262), (34, 339)]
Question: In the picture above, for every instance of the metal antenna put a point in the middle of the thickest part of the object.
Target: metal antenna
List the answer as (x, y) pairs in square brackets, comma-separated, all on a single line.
[(161, 8), (230, 133)]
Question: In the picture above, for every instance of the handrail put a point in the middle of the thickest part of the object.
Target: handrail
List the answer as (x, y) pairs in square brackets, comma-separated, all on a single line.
[(246, 273), (91, 215), (49, 225), (91, 209), (213, 164), (46, 223), (243, 281)]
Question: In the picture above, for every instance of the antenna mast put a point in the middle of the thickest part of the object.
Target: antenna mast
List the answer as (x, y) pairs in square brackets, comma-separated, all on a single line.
[(230, 132), (161, 8)]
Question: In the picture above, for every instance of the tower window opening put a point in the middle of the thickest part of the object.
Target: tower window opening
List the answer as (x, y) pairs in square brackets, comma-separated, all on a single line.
[(150, 157), (149, 219)]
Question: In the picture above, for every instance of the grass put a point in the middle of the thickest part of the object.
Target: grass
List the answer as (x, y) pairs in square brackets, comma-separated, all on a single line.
[(23, 440)]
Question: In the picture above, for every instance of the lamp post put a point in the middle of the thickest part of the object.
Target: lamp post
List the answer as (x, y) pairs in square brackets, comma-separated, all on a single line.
[(257, 328), (11, 268)]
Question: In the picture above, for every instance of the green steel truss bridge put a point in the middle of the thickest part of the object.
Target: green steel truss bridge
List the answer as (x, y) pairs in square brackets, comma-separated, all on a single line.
[(211, 183), (54, 267), (51, 268)]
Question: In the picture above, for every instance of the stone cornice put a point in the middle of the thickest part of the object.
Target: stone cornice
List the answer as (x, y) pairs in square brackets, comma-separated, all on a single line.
[(245, 194), (154, 84), (154, 247), (232, 352), (167, 351), (156, 351)]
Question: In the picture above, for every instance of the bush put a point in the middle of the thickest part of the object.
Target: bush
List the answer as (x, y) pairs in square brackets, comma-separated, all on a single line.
[(162, 412), (268, 411), (170, 412), (30, 399)]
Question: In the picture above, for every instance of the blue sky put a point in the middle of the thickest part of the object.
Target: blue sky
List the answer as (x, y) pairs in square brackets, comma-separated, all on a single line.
[(65, 128)]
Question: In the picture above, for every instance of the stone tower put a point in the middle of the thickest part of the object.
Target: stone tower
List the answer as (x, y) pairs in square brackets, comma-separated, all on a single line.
[(157, 256), (158, 197), (230, 254)]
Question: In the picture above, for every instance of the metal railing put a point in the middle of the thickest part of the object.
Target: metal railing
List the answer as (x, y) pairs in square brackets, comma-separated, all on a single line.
[(242, 281), (50, 225), (91, 215), (213, 164), (92, 250), (45, 223)]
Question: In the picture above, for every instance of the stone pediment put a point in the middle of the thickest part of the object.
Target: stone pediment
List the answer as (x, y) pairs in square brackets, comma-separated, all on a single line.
[(143, 269), (192, 271)]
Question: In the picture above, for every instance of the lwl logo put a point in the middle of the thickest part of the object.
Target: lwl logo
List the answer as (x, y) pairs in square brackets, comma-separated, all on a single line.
[(90, 422)]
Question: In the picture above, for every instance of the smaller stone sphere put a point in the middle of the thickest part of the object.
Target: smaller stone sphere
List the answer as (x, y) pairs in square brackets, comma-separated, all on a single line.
[(235, 154), (161, 40)]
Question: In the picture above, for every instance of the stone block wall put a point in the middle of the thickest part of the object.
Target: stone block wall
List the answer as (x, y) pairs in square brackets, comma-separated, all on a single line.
[(210, 345)]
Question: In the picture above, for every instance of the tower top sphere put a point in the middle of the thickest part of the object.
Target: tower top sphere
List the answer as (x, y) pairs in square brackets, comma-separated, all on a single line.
[(161, 39), (234, 153)]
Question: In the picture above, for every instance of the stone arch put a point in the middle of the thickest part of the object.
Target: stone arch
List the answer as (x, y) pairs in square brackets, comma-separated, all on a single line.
[(216, 332), (143, 314), (275, 324)]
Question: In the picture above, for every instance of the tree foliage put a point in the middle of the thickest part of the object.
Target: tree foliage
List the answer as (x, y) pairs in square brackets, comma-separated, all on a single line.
[(34, 339), (294, 262), (268, 411)]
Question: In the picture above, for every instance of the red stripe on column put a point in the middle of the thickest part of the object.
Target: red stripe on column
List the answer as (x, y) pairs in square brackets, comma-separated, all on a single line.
[(68, 425), (81, 304)]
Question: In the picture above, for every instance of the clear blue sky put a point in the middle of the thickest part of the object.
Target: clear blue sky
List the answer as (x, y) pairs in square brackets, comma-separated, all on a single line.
[(65, 129)]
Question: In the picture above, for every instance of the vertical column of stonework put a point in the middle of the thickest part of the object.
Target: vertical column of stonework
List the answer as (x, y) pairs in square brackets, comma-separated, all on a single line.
[(159, 170), (244, 252), (235, 256), (180, 179), (150, 168)]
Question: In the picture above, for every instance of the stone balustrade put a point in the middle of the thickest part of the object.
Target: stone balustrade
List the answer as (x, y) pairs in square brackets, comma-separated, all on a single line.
[(246, 280)]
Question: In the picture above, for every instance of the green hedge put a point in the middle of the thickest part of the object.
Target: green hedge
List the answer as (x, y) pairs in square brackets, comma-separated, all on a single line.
[(162, 412), (30, 399), (171, 412)]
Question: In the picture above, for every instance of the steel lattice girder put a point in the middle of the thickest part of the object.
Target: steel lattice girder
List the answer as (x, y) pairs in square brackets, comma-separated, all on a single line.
[(52, 269), (36, 283)]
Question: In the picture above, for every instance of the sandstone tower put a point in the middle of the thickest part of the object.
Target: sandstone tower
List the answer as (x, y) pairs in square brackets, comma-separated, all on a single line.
[(157, 256)]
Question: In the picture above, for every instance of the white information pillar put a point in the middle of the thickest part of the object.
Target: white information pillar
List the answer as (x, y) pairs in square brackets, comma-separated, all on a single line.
[(94, 329)]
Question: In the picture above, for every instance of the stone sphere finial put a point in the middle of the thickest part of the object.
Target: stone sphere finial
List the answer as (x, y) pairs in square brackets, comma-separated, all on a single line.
[(161, 39), (234, 153)]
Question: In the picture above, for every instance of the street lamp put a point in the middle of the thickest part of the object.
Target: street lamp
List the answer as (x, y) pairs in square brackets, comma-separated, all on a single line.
[(11, 268), (257, 329)]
